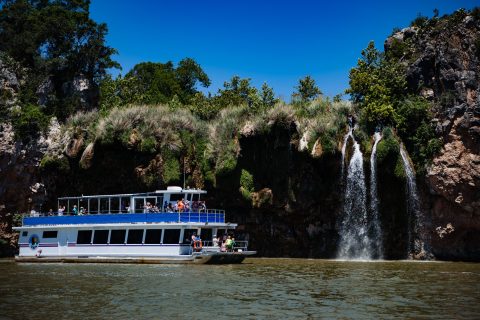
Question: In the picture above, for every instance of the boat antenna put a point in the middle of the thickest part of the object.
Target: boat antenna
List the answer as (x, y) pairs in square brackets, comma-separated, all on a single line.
[(184, 172)]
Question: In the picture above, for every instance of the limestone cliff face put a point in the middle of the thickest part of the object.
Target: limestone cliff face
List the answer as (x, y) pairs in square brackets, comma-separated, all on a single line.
[(444, 67)]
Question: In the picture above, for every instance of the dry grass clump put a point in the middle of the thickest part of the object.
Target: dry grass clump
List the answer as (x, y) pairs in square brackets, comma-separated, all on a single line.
[(323, 120), (148, 128)]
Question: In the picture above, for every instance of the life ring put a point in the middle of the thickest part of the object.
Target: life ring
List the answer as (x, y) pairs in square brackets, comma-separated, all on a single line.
[(197, 244)]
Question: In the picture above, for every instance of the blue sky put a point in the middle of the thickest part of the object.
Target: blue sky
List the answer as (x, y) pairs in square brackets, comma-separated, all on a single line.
[(277, 42)]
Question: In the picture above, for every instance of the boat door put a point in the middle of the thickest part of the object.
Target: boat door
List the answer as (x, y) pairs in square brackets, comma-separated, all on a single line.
[(62, 242)]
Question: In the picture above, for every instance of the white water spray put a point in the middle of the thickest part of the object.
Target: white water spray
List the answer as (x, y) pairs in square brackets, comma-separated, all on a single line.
[(376, 229), (354, 239)]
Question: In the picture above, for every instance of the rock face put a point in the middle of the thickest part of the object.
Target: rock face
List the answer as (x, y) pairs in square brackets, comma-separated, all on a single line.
[(444, 67), (21, 188)]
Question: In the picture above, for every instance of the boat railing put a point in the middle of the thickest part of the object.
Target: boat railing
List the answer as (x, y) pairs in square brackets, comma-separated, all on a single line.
[(210, 216), (70, 213), (238, 245)]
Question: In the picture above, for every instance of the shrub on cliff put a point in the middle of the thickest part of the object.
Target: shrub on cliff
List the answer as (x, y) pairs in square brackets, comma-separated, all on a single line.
[(29, 122)]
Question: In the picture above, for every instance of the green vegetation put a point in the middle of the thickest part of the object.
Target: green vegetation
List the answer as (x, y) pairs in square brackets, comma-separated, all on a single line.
[(246, 185), (29, 122), (55, 42), (307, 90), (53, 163)]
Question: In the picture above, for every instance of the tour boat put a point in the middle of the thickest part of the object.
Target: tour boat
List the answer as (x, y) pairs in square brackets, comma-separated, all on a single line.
[(136, 228)]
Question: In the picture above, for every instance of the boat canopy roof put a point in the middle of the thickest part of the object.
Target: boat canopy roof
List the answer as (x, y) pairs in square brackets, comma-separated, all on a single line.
[(170, 190)]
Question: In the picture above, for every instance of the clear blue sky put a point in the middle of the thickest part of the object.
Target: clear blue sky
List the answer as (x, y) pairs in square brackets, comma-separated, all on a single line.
[(277, 42)]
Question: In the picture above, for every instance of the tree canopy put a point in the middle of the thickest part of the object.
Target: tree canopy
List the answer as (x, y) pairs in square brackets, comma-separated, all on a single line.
[(307, 90), (161, 82), (56, 41)]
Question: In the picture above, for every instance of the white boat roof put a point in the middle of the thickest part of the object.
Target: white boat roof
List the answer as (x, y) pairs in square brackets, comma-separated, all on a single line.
[(169, 190)]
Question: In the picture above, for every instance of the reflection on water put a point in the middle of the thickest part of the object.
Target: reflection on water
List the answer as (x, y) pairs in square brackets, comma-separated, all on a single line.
[(258, 288)]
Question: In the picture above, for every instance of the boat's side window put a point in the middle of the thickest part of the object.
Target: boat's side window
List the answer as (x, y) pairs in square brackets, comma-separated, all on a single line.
[(206, 234), (135, 236), (117, 236), (100, 236), (171, 236), (153, 236), (84, 236), (49, 234), (24, 233), (187, 235)]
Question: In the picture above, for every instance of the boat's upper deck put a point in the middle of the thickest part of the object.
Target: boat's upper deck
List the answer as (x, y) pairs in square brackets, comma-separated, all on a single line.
[(174, 205), (176, 217)]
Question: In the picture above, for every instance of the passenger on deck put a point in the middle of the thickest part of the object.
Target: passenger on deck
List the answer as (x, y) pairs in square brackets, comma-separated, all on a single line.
[(180, 206), (165, 206), (82, 211), (170, 208), (61, 210), (202, 207), (187, 205), (195, 206), (50, 212), (215, 241), (229, 243), (75, 210)]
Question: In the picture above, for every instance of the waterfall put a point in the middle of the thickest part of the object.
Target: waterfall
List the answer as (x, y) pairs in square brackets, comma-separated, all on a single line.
[(344, 148), (354, 239), (415, 217), (376, 229)]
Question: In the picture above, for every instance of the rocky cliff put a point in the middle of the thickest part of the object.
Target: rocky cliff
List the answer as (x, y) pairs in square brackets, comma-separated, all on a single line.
[(442, 59)]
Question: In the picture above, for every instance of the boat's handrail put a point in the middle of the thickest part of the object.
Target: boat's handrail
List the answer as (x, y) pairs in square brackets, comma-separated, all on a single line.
[(177, 217), (238, 245), (49, 214)]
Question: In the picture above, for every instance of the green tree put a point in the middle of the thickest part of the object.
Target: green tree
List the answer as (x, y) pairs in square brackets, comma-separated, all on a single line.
[(56, 40), (267, 96), (307, 90), (160, 82), (377, 86), (237, 92)]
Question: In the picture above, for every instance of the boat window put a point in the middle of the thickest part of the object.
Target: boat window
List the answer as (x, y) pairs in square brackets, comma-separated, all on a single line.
[(187, 235), (125, 204), (176, 196), (84, 236), (117, 236), (135, 236), (104, 203), (221, 232), (114, 205), (83, 206), (100, 237), (93, 206), (206, 234), (24, 233), (160, 202), (49, 234), (171, 236), (153, 236), (139, 203)]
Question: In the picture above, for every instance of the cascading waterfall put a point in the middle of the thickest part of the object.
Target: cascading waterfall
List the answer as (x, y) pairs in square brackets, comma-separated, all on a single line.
[(344, 148), (375, 226), (415, 218), (354, 239)]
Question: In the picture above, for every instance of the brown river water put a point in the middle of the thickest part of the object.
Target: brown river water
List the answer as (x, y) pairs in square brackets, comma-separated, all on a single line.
[(257, 289)]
